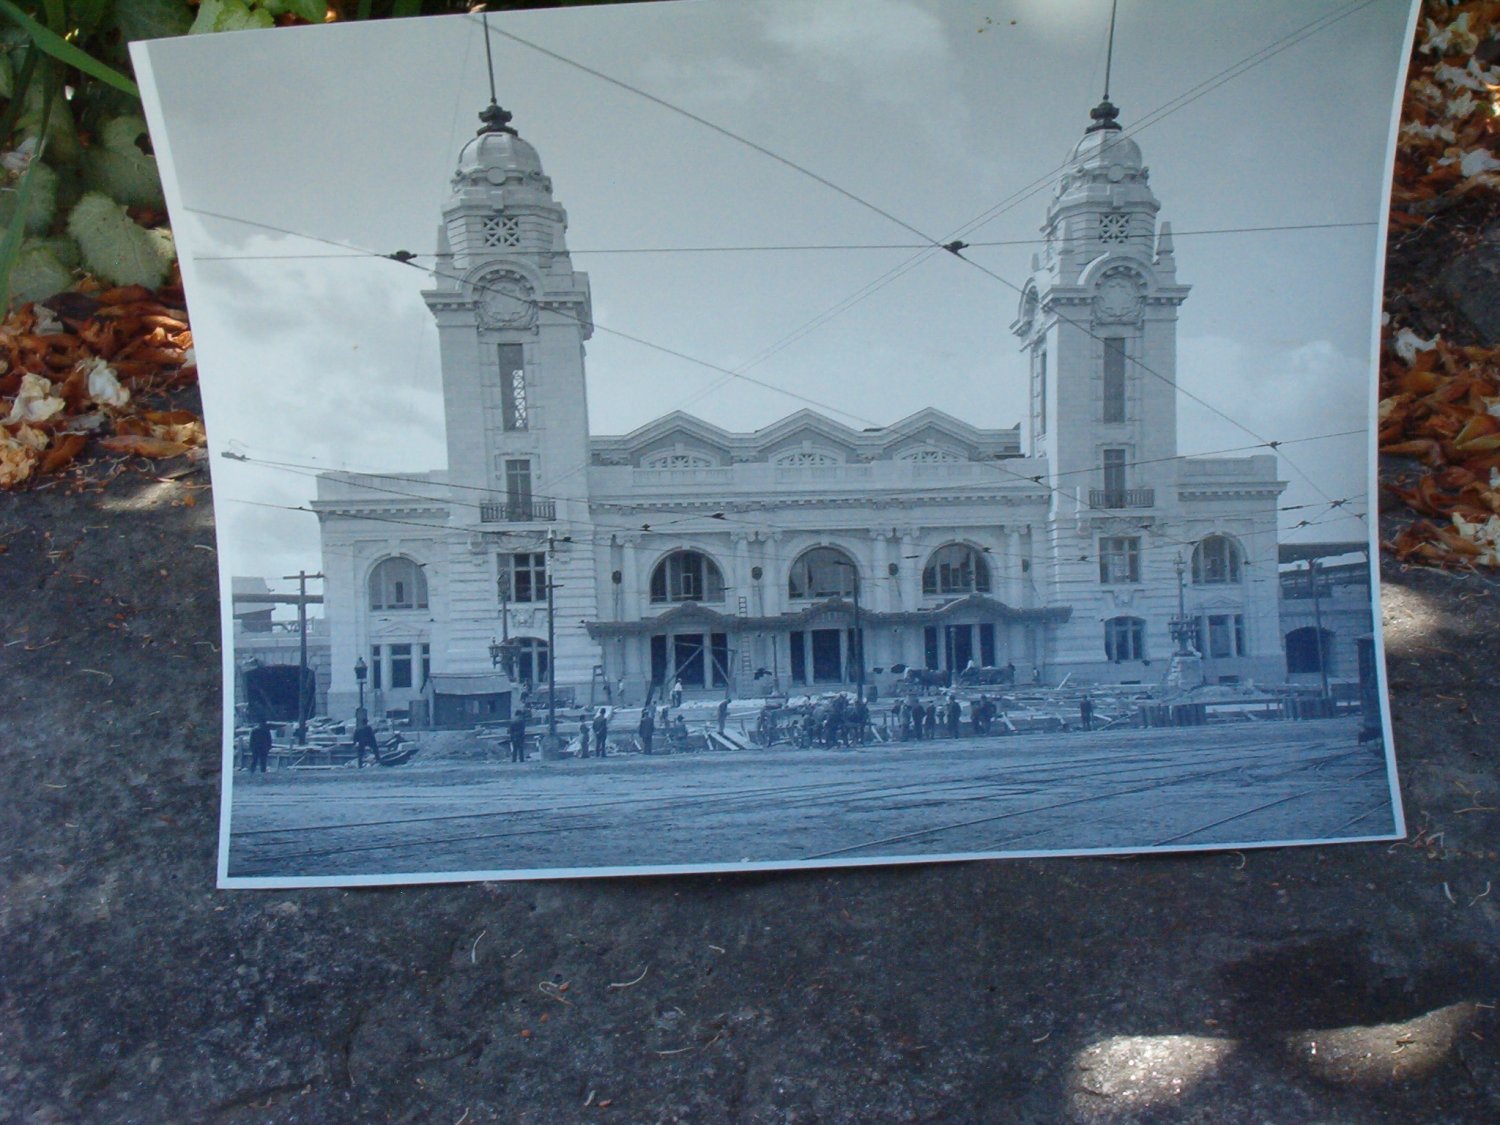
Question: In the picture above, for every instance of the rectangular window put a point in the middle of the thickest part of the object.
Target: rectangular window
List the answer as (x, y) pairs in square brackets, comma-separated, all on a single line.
[(523, 577), (1221, 635), (400, 666), (1114, 379), (513, 387), (426, 665), (987, 644), (518, 489), (1119, 560), (1125, 639), (377, 681), (930, 647), (1114, 478)]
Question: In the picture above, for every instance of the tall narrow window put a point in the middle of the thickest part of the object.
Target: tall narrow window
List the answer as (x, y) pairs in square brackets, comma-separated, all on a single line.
[(1041, 391), (400, 666), (518, 488), (1114, 478), (1114, 379), (513, 387), (1119, 559)]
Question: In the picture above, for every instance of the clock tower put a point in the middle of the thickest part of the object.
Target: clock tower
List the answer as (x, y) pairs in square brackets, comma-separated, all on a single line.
[(512, 317)]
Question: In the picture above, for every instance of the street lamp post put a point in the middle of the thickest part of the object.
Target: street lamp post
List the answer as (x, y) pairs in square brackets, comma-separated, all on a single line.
[(1181, 627), (361, 670)]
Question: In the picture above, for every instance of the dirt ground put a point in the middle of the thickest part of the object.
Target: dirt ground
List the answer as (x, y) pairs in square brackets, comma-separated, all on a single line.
[(1350, 983)]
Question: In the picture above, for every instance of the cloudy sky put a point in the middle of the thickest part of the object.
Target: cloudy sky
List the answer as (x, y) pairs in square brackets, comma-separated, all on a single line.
[(296, 156)]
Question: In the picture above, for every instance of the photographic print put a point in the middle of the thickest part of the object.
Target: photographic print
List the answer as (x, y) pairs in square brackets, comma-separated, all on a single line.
[(716, 437)]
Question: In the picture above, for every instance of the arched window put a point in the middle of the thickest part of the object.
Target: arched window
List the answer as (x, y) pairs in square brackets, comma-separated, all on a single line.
[(928, 455), (687, 576), (803, 458), (1125, 638), (1217, 561), (675, 460), (956, 569), (398, 583), (1305, 654), (823, 572), (530, 660)]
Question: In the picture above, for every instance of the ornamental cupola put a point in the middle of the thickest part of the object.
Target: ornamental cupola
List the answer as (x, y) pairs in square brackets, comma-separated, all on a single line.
[(1103, 203), (500, 201)]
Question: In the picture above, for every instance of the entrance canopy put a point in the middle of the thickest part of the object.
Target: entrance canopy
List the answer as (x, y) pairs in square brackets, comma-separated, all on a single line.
[(691, 615)]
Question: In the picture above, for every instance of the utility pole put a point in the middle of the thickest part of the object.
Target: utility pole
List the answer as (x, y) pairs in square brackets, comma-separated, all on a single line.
[(551, 642), (301, 576), (1312, 570), (859, 647)]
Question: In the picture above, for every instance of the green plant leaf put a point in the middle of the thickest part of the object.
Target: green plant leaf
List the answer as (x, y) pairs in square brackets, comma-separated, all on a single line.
[(313, 11), (41, 201), (38, 273), (151, 19), (117, 248), (119, 168), (63, 248), (64, 52), (228, 15)]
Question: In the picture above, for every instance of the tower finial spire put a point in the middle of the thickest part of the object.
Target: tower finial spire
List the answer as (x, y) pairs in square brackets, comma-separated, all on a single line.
[(495, 119), (1105, 112)]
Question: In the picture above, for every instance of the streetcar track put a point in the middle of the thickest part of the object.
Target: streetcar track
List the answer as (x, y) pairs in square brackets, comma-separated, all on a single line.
[(827, 794)]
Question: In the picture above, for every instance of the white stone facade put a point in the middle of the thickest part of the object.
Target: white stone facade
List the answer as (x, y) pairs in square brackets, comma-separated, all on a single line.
[(729, 560)]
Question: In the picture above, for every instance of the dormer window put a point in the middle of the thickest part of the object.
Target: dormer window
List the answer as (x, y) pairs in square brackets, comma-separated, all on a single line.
[(502, 230), (1114, 228)]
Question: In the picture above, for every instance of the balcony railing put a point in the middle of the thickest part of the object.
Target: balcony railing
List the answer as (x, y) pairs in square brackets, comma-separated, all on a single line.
[(1122, 498), (518, 511)]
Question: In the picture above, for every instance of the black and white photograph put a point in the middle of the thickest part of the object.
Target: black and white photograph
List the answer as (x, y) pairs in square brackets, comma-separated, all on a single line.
[(796, 433)]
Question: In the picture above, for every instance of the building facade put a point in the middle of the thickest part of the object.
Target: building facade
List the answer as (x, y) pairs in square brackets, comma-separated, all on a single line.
[(800, 553)]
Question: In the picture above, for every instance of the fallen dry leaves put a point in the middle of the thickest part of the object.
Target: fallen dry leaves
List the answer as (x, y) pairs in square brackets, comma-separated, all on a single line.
[(85, 371), (1439, 401)]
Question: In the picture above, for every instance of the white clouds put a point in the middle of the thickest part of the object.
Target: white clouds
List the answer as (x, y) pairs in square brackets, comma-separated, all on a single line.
[(858, 35)]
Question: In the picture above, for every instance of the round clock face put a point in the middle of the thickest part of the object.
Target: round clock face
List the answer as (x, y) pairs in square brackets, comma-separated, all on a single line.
[(1118, 299), (506, 300)]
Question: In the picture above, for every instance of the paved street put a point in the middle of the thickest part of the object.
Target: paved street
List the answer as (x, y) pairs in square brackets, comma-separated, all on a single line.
[(1132, 789)]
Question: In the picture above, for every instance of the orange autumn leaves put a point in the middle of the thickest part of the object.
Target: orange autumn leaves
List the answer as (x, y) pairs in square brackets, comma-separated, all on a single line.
[(1440, 402), (85, 372), (1441, 405)]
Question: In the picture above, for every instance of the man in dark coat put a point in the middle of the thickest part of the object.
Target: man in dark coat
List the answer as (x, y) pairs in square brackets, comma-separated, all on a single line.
[(1086, 712), (260, 746), (518, 736), (646, 729), (955, 713), (364, 743), (601, 732)]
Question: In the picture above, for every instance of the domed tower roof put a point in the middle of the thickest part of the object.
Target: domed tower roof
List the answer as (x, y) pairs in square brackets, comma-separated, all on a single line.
[(1104, 143), (496, 153)]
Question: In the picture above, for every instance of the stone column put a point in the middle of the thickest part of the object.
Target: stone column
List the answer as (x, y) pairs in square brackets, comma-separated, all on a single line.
[(630, 580), (911, 572), (876, 593), (1015, 588)]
